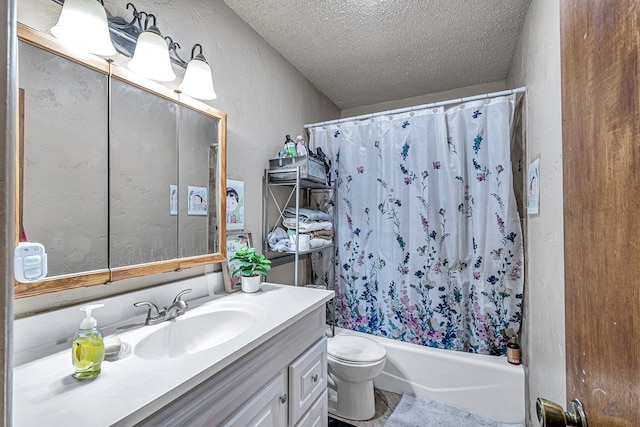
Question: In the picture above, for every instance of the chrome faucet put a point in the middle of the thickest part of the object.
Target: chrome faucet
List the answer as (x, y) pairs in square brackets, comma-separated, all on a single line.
[(177, 308)]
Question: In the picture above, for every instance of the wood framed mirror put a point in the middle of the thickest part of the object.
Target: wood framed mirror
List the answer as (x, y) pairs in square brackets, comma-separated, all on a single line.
[(105, 160)]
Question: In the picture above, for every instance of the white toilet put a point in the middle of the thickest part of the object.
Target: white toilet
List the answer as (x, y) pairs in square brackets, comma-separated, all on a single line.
[(353, 364)]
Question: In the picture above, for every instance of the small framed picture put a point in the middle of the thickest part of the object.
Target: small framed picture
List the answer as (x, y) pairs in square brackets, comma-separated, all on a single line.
[(234, 241), (173, 200), (197, 200), (235, 204)]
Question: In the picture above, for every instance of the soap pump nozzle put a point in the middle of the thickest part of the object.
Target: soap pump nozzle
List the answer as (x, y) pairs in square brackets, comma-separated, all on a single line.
[(89, 322)]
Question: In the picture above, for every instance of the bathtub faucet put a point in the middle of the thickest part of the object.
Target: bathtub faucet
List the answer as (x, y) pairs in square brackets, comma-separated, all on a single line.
[(177, 308)]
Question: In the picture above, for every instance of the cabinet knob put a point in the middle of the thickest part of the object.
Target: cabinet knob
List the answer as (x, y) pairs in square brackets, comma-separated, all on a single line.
[(314, 378), (283, 399)]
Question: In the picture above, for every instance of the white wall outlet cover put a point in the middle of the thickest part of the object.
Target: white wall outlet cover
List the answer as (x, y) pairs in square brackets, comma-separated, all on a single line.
[(29, 262)]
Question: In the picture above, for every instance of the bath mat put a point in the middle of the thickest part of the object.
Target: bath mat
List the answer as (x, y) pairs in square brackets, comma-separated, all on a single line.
[(415, 411)]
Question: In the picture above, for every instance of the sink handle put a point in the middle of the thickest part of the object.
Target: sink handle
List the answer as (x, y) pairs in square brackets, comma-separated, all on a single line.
[(177, 298), (149, 303), (152, 306)]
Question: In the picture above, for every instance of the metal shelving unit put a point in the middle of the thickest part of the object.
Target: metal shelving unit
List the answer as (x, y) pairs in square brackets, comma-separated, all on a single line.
[(300, 191)]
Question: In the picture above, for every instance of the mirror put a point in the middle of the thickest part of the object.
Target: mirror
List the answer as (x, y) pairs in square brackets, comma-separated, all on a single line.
[(143, 170), (198, 156), (109, 166), (65, 138)]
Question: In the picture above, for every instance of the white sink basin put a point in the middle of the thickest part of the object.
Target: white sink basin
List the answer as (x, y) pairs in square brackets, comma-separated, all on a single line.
[(193, 333)]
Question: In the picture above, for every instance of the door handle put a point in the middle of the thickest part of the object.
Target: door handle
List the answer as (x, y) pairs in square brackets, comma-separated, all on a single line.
[(550, 414)]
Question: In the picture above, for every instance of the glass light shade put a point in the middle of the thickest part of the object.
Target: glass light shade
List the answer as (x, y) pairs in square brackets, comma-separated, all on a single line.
[(198, 81), (151, 58), (83, 25)]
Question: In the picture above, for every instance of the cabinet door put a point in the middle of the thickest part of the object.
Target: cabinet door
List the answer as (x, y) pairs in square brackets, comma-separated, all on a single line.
[(316, 416), (268, 408)]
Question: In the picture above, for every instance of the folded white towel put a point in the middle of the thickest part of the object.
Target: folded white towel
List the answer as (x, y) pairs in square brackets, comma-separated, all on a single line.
[(307, 227), (318, 243)]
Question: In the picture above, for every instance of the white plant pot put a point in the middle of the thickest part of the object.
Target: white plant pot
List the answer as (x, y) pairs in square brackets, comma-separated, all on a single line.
[(250, 284)]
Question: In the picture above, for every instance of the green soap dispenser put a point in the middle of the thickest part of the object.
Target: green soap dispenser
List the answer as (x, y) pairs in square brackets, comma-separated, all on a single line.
[(87, 351)]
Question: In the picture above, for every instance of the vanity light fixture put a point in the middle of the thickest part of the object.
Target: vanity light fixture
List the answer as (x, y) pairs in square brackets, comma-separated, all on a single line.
[(151, 53), (198, 79), (82, 25), (151, 56)]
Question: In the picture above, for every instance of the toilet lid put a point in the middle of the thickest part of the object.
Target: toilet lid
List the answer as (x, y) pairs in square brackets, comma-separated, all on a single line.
[(351, 348)]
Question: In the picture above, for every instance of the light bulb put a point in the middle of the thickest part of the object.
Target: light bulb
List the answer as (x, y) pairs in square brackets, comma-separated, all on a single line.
[(151, 57), (198, 81), (82, 25)]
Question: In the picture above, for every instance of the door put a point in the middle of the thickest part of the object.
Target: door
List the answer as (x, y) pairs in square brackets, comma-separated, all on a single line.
[(601, 174)]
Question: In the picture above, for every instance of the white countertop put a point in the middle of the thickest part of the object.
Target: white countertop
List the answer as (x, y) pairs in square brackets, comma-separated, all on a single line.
[(130, 389)]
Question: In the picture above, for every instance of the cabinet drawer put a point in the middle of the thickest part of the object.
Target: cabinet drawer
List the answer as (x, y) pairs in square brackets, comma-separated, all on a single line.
[(307, 379), (317, 415)]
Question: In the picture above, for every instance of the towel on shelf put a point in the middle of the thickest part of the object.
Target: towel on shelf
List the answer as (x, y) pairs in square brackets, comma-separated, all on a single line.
[(279, 240), (318, 243), (322, 234), (307, 227), (306, 214)]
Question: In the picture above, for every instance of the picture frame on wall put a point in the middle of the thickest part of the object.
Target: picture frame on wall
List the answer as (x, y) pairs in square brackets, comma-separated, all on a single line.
[(235, 204), (533, 188), (234, 241), (197, 200)]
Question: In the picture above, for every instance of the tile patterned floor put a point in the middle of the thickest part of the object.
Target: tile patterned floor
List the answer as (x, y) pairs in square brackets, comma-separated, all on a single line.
[(386, 402)]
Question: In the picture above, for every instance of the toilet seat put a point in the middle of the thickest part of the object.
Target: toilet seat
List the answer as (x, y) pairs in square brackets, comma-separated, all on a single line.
[(355, 350)]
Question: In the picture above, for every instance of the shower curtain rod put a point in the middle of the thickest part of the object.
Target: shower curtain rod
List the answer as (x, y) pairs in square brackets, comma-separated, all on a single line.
[(418, 107)]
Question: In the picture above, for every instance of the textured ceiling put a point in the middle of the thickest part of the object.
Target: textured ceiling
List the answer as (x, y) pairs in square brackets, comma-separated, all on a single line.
[(361, 52)]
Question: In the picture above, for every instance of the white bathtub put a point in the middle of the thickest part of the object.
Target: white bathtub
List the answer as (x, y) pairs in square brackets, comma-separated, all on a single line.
[(487, 386)]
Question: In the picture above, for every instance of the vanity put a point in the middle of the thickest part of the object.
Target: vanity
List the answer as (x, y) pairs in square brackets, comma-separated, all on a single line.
[(270, 370)]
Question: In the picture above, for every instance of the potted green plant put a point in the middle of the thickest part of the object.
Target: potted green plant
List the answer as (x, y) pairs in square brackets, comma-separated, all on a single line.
[(250, 266)]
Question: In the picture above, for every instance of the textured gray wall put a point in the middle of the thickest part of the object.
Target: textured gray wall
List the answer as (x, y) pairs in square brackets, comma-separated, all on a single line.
[(537, 65)]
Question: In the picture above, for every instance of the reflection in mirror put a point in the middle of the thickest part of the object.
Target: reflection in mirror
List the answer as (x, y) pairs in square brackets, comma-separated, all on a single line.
[(64, 192), (198, 159), (143, 173), (96, 163)]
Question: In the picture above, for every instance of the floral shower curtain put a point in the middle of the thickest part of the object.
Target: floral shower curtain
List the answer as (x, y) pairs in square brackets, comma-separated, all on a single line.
[(428, 240)]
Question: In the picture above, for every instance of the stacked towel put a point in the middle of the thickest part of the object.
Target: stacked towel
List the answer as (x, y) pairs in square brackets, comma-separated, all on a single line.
[(306, 214), (307, 227), (322, 234), (309, 221), (318, 243)]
